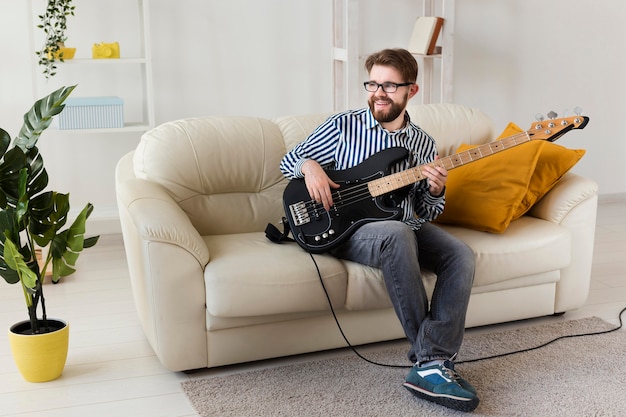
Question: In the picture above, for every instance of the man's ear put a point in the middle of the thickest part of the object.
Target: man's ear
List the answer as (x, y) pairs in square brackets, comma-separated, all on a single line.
[(413, 89)]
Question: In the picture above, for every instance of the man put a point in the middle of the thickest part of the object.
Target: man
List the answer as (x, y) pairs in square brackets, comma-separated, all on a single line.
[(399, 248)]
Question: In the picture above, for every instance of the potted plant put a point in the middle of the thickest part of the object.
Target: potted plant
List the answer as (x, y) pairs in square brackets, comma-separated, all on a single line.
[(32, 217), (54, 25)]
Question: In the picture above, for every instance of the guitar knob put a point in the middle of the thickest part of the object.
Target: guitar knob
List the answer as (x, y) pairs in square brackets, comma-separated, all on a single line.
[(539, 117), (552, 115), (331, 232), (318, 238), (578, 111), (325, 235)]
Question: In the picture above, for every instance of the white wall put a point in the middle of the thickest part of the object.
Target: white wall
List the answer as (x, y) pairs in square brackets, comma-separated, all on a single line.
[(517, 58), (513, 59)]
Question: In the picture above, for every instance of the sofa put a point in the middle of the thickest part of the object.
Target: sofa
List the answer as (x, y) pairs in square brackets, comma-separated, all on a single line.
[(211, 289)]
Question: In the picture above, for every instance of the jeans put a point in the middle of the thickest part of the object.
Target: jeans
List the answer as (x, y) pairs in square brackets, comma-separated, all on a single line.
[(435, 332)]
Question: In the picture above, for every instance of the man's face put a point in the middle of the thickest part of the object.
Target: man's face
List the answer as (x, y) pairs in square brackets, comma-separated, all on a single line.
[(387, 107)]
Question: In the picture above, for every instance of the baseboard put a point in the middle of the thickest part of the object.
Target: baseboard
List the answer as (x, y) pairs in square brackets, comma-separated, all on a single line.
[(612, 198), (104, 222)]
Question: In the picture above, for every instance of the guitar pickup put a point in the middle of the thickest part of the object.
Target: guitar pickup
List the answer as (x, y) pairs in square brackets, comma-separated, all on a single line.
[(299, 213)]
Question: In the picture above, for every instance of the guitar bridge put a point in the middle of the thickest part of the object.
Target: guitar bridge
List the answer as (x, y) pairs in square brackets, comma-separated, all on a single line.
[(299, 213)]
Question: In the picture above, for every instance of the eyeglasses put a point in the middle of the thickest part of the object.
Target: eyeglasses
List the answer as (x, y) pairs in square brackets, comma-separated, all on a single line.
[(388, 87)]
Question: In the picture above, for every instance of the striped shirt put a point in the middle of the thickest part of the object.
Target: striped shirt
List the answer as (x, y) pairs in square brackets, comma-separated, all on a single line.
[(346, 139)]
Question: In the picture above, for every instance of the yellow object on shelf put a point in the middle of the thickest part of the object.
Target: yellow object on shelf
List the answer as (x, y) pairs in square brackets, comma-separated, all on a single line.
[(105, 50), (68, 53)]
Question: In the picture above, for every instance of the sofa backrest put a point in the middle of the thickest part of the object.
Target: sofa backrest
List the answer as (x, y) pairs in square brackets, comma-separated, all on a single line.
[(223, 171), (452, 124)]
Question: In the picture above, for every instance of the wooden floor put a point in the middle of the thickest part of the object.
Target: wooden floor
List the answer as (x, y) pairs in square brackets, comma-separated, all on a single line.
[(112, 371)]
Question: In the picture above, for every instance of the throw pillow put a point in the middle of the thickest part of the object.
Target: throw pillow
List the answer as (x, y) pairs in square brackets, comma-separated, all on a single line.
[(554, 161), (489, 193), (485, 194)]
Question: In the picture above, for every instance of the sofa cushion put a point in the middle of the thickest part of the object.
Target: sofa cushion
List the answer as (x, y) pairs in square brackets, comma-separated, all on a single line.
[(485, 194), (248, 275), (554, 161), (530, 249), (210, 165), (466, 200)]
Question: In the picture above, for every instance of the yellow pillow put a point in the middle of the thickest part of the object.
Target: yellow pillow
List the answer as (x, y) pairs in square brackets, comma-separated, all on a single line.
[(554, 161), (485, 194), (489, 193)]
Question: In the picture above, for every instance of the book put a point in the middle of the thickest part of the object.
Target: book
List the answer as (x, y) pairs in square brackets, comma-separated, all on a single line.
[(425, 33)]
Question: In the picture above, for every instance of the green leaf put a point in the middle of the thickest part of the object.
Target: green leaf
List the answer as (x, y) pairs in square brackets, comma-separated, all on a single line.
[(10, 230), (67, 245), (22, 201), (15, 261), (39, 117), (5, 141), (48, 215)]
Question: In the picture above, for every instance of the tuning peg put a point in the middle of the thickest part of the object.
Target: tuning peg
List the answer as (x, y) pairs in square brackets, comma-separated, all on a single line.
[(552, 114), (539, 117), (578, 111)]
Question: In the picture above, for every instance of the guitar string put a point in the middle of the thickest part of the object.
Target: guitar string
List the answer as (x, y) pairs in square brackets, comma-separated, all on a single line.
[(361, 192)]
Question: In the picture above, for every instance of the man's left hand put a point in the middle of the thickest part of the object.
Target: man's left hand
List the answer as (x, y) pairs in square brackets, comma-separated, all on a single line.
[(436, 177)]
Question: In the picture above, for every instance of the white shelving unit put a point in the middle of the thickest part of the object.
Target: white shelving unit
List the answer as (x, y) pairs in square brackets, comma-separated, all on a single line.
[(436, 71), (129, 77)]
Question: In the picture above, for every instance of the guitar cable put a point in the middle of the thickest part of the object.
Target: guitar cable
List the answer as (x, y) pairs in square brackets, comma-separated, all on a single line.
[(357, 353)]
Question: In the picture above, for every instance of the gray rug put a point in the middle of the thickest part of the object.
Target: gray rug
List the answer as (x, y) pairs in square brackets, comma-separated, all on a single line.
[(583, 376)]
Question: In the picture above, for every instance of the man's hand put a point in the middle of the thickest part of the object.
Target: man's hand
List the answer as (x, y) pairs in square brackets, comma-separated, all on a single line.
[(436, 177), (318, 184)]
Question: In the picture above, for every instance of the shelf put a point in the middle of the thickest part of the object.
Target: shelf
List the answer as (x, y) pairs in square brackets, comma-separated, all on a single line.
[(128, 77), (116, 61), (130, 127), (436, 70)]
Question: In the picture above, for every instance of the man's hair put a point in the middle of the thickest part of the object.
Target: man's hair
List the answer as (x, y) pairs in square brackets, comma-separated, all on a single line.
[(400, 59)]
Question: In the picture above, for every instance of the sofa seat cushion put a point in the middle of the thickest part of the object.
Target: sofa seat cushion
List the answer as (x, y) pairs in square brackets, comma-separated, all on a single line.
[(530, 247), (247, 275)]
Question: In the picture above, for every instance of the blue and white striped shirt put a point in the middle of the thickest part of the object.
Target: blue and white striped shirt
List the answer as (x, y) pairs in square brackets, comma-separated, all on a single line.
[(346, 139)]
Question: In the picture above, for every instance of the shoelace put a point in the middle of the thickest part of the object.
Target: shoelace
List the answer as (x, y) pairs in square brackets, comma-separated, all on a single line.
[(450, 373)]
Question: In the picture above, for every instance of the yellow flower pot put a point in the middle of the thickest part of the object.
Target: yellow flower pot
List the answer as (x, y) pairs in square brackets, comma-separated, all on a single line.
[(68, 53), (40, 357)]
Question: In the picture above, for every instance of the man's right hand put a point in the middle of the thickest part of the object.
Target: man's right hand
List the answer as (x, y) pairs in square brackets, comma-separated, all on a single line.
[(318, 184)]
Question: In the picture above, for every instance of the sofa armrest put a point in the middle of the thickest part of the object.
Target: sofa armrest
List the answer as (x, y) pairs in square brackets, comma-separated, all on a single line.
[(569, 192), (158, 218), (166, 258), (573, 204)]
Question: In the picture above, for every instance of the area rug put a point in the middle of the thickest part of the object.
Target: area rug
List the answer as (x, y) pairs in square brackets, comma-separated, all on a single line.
[(581, 376)]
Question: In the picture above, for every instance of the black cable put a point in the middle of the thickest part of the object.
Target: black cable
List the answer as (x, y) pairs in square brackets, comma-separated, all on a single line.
[(319, 274), (550, 342), (332, 310)]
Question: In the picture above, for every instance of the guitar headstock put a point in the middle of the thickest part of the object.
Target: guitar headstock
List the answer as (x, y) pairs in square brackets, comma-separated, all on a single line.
[(553, 128)]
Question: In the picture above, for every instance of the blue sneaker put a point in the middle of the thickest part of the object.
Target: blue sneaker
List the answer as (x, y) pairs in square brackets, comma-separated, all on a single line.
[(441, 384), (462, 382)]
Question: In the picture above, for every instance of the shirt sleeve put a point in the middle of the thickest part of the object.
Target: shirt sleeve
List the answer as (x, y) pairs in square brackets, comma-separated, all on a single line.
[(319, 146)]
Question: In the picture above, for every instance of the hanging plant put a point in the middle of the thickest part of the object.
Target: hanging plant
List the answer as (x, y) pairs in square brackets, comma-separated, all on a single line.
[(54, 25)]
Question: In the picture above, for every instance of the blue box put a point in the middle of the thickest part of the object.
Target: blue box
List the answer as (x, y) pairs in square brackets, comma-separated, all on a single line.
[(92, 113)]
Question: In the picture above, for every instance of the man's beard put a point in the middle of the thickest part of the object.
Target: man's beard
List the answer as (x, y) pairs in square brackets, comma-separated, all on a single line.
[(392, 114)]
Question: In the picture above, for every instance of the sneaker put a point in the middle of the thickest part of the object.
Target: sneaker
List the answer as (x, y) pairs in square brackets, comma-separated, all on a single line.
[(442, 385), (462, 382)]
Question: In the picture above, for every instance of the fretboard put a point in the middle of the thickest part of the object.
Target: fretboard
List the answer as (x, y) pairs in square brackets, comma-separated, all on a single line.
[(410, 176)]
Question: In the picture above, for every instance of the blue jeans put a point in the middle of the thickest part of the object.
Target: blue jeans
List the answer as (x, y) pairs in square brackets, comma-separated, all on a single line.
[(435, 332)]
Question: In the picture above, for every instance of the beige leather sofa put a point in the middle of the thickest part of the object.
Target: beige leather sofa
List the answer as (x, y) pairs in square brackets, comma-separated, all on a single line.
[(210, 289)]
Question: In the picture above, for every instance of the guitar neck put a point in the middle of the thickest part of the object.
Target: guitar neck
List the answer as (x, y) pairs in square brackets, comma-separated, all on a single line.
[(410, 176)]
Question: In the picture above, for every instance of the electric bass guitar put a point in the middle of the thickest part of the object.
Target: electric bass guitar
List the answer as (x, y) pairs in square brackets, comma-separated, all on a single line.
[(366, 192)]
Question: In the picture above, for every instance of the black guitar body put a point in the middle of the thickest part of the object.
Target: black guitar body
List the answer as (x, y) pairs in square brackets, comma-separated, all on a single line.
[(317, 230)]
